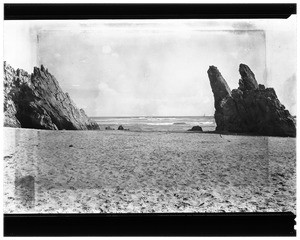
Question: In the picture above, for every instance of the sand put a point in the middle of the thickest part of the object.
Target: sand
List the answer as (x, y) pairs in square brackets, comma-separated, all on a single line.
[(143, 172)]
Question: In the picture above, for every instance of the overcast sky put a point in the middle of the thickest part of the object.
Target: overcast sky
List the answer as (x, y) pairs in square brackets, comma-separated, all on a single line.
[(153, 68)]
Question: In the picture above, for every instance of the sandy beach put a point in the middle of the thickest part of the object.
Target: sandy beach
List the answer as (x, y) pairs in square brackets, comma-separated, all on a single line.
[(143, 172)]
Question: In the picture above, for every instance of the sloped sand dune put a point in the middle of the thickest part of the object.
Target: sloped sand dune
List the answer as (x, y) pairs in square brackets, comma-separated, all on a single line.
[(122, 171)]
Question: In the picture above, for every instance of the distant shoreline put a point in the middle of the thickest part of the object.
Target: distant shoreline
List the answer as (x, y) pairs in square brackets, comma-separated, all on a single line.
[(209, 116)]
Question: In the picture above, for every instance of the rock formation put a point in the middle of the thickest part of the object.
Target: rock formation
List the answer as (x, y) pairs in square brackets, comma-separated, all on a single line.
[(196, 129), (251, 108), (120, 127), (37, 101)]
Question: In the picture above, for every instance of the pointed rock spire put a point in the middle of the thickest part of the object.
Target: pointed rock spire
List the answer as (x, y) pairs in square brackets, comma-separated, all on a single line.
[(250, 109), (248, 81), (218, 85)]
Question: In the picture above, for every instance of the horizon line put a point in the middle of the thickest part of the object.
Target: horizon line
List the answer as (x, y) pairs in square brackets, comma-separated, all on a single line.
[(153, 116)]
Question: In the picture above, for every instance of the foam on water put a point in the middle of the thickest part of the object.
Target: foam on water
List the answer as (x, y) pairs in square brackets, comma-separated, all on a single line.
[(144, 123)]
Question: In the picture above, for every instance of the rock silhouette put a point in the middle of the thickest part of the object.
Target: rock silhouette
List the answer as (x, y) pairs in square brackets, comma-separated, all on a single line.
[(37, 101), (120, 127), (196, 129), (251, 108), (248, 81)]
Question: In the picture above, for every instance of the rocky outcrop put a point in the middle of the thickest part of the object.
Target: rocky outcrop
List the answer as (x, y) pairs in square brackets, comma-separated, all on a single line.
[(248, 81), (196, 129), (37, 101), (120, 127), (251, 108)]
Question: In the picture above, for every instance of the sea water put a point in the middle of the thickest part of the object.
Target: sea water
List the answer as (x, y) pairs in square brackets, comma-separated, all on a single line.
[(157, 123)]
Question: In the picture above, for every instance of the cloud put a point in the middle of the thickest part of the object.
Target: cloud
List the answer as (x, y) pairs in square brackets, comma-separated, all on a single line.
[(242, 25), (57, 55), (154, 72), (105, 89)]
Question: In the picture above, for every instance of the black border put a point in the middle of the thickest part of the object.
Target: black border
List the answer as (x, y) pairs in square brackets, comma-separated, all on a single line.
[(146, 11), (180, 224), (190, 224)]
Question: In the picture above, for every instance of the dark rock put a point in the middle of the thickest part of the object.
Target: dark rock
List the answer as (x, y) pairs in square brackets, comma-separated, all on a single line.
[(71, 145), (196, 128), (219, 86), (248, 81), (10, 110), (37, 101), (120, 127), (251, 108), (109, 128)]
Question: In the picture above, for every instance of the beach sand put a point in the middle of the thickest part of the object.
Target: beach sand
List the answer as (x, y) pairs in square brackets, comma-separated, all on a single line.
[(143, 172)]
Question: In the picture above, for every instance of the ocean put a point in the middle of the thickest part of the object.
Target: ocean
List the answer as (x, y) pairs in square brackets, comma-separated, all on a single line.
[(157, 123)]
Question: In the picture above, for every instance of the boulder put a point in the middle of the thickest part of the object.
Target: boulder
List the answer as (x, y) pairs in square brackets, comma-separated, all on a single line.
[(120, 127), (251, 108), (37, 101), (196, 129)]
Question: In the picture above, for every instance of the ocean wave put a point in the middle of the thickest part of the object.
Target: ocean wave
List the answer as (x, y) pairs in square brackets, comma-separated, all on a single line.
[(157, 124), (207, 123), (179, 123), (162, 118)]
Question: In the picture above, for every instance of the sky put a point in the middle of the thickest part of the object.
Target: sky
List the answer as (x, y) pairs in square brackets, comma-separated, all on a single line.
[(157, 67)]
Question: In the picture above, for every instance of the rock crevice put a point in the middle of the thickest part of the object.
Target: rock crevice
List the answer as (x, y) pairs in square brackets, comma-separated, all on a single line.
[(251, 108)]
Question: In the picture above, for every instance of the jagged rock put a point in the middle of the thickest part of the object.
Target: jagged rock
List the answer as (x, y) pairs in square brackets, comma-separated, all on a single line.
[(37, 101), (219, 86), (251, 108), (248, 81), (10, 111), (120, 127), (196, 128)]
